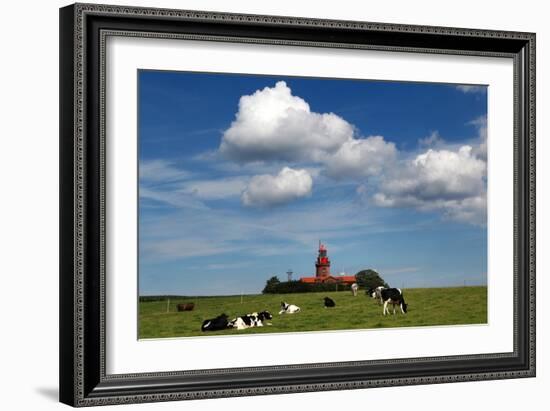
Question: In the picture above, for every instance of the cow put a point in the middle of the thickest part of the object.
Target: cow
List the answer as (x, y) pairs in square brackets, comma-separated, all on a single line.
[(329, 302), (377, 293), (288, 308), (354, 289), (215, 324), (393, 296), (250, 320), (186, 307)]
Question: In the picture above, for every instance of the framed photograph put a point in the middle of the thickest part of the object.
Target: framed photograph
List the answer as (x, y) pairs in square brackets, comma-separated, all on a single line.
[(262, 204)]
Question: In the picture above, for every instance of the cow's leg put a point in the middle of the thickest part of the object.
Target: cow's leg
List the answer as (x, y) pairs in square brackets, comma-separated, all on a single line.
[(401, 306), (385, 307)]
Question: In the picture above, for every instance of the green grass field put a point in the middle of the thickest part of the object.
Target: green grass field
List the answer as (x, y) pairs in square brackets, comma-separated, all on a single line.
[(427, 306)]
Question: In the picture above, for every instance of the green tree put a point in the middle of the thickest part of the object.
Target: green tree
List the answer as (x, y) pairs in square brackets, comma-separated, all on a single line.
[(271, 285), (369, 279)]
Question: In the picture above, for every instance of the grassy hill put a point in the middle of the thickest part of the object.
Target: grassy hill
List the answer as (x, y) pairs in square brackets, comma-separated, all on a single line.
[(427, 306)]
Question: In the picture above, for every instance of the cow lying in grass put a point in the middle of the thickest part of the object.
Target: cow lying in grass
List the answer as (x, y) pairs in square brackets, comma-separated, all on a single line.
[(393, 296), (288, 308), (250, 320), (329, 302), (215, 324), (186, 307)]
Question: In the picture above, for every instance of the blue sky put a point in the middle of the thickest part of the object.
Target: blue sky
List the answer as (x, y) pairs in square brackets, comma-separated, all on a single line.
[(242, 175)]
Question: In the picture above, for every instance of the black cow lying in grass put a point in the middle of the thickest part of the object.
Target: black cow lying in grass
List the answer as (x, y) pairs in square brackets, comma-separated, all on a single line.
[(215, 324), (250, 320), (329, 302), (393, 296)]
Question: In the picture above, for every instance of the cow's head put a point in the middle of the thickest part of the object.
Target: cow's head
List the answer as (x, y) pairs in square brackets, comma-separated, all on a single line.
[(265, 315)]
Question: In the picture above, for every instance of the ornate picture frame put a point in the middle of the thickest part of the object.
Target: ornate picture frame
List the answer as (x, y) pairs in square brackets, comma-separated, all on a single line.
[(84, 30)]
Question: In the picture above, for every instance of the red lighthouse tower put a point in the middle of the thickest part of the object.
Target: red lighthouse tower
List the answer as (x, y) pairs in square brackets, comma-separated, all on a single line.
[(322, 271), (322, 265)]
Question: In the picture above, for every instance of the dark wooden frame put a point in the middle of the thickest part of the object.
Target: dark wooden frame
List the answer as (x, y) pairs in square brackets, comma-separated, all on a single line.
[(83, 29)]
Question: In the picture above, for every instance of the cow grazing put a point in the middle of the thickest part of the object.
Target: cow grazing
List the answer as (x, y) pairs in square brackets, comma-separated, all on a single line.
[(354, 289), (250, 320), (393, 296), (376, 293), (289, 308), (329, 302), (215, 324), (186, 307)]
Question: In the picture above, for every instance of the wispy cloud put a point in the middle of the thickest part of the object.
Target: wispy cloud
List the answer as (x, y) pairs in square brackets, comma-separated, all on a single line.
[(433, 140), (161, 171), (185, 233), (465, 88), (215, 189), (171, 198)]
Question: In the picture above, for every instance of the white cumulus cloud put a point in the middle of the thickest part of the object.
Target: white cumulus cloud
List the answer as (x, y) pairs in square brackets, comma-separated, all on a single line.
[(267, 190), (358, 158), (273, 124), (449, 181), (273, 127), (481, 124)]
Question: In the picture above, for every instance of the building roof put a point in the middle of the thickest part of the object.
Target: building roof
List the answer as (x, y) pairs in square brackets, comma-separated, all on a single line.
[(340, 278), (347, 278), (309, 279)]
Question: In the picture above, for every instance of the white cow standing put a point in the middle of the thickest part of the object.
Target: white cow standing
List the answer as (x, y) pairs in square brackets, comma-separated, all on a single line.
[(354, 289)]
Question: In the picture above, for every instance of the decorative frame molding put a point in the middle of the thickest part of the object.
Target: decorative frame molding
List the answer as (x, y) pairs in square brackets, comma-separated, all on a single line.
[(83, 32)]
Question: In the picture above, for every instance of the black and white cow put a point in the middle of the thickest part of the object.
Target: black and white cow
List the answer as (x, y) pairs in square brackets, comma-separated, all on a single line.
[(250, 320), (376, 293), (215, 324), (393, 296), (289, 308), (329, 302)]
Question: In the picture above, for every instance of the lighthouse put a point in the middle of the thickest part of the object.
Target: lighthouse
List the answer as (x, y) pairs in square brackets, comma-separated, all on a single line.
[(322, 264), (322, 271)]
